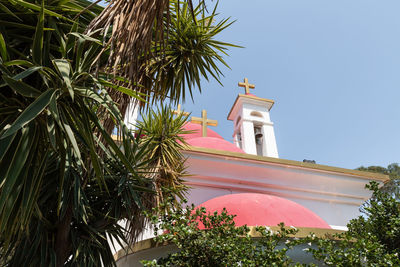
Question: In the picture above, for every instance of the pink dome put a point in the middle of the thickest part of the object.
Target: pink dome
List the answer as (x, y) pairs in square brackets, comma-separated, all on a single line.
[(264, 210), (213, 143), (196, 131)]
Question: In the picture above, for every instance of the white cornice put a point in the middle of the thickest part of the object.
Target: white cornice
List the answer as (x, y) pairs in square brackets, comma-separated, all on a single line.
[(251, 100)]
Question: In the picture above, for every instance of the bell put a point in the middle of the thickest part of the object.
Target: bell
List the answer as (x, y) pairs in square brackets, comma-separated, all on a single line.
[(257, 133)]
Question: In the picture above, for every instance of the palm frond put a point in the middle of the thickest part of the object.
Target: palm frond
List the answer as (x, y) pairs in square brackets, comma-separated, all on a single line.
[(162, 136), (165, 58), (65, 183), (59, 198), (190, 54)]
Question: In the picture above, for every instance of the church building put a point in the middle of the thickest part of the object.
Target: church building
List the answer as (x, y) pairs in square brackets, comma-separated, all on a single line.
[(249, 179)]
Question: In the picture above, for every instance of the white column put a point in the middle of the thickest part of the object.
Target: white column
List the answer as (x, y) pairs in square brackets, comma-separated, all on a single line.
[(248, 138), (131, 115), (236, 140), (270, 149)]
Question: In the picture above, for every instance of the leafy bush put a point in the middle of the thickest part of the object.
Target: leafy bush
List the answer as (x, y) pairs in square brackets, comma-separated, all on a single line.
[(213, 239), (373, 239)]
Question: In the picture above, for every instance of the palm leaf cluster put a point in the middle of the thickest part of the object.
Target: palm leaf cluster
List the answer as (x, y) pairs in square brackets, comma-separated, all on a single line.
[(134, 25), (163, 136), (191, 52), (61, 200), (165, 58)]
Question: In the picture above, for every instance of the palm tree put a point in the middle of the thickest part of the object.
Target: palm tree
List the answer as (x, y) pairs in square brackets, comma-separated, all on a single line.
[(177, 48), (55, 189), (60, 199)]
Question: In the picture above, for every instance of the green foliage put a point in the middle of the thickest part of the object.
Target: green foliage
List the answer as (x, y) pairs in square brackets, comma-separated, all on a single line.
[(393, 170), (382, 218), (64, 181), (219, 242), (191, 51), (371, 240), (59, 197), (163, 136)]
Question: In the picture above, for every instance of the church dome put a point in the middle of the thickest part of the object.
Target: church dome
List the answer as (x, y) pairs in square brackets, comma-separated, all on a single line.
[(264, 210), (213, 143), (196, 131), (213, 140)]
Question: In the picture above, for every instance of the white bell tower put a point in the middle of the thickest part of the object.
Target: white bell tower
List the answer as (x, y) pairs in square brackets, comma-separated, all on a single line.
[(253, 129)]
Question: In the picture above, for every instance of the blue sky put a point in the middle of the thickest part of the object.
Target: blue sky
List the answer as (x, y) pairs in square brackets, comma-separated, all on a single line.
[(332, 68)]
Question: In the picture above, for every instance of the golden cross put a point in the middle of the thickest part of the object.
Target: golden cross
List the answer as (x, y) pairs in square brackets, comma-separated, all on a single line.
[(178, 111), (204, 122), (247, 85)]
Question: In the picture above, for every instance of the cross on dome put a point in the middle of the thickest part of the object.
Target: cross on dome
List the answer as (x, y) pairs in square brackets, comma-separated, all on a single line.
[(246, 85), (204, 122), (179, 111)]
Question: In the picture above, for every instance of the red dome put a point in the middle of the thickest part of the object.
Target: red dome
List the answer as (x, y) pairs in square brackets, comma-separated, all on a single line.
[(196, 131), (214, 143), (266, 210)]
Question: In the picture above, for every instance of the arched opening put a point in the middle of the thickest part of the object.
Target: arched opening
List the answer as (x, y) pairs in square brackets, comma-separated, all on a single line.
[(259, 139), (239, 140), (256, 114)]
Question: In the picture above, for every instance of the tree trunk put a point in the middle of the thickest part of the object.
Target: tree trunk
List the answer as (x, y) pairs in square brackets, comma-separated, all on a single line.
[(63, 241)]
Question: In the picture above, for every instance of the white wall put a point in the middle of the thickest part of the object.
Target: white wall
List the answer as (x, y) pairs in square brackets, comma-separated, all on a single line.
[(335, 197)]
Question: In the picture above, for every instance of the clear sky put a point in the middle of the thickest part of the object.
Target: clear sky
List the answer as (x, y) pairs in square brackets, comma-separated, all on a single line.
[(333, 69)]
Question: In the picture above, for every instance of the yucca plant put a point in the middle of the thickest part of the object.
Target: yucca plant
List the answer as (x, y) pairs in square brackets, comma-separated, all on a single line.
[(59, 198), (163, 136), (65, 183), (55, 190)]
